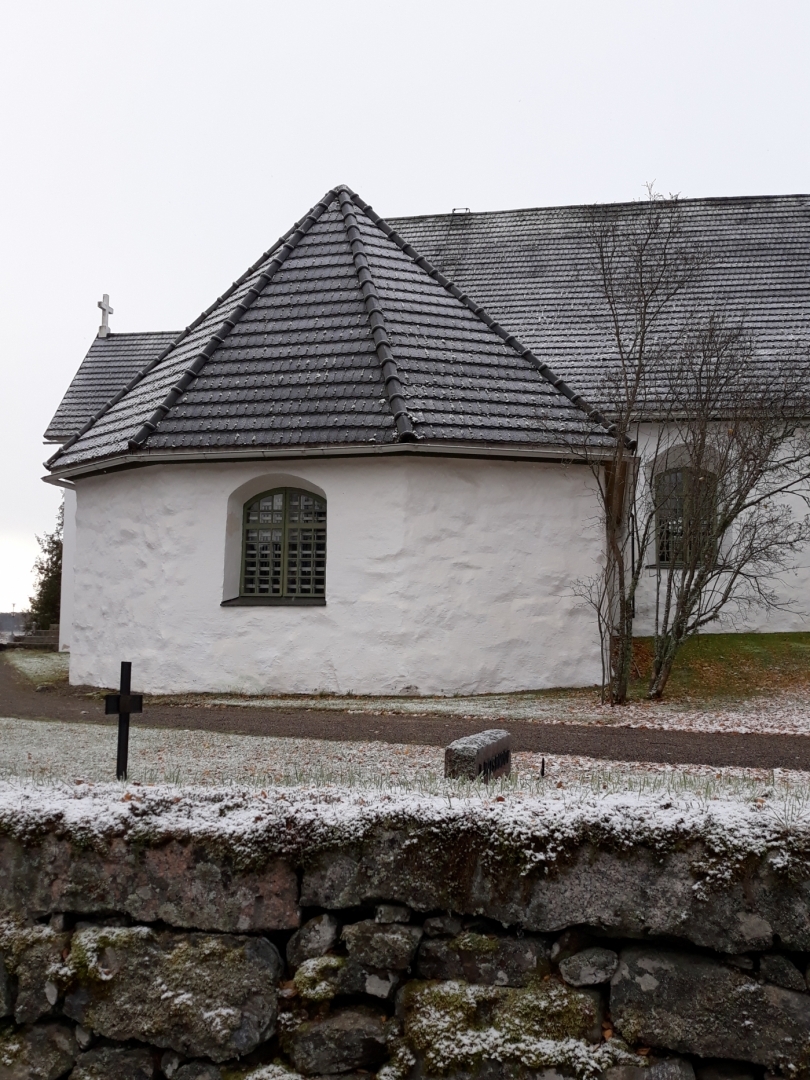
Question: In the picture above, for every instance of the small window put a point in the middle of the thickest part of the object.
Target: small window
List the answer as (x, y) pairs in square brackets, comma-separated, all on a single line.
[(284, 546), (685, 516)]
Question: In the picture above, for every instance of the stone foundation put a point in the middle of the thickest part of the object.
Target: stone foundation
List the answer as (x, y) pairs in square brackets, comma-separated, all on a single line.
[(410, 944)]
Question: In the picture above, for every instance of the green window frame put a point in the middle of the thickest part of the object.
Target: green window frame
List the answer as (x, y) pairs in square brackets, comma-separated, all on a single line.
[(284, 548), (686, 515)]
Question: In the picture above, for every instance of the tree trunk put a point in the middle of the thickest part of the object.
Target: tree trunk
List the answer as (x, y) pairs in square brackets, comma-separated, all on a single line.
[(664, 658), (659, 680), (623, 660)]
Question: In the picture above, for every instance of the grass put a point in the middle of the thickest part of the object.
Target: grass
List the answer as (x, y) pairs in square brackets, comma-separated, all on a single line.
[(785, 795), (40, 668), (51, 752), (712, 666)]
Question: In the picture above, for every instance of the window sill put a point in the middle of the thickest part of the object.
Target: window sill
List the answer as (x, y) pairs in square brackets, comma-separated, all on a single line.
[(275, 601)]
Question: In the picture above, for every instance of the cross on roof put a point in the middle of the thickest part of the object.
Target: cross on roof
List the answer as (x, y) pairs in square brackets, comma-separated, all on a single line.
[(106, 311)]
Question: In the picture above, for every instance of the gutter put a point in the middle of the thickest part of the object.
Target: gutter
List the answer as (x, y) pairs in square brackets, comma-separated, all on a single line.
[(58, 481)]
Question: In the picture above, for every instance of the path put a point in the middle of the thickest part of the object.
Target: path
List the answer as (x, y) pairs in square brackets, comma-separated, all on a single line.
[(18, 698)]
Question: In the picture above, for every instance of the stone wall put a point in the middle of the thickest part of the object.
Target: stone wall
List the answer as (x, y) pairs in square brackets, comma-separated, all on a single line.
[(407, 947)]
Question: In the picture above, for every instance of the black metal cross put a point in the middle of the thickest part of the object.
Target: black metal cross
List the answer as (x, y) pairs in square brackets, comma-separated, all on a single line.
[(123, 703)]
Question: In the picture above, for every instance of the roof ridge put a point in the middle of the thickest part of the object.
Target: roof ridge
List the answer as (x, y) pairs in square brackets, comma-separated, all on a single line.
[(138, 333), (609, 205), (282, 240), (524, 351), (376, 318)]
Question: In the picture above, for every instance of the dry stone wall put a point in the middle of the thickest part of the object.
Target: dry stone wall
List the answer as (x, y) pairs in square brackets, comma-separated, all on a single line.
[(410, 948)]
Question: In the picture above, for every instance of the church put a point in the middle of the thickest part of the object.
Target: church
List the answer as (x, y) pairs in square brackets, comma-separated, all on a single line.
[(368, 466)]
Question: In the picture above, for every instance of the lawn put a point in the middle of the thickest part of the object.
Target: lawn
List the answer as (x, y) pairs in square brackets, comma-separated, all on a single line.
[(40, 668), (712, 666)]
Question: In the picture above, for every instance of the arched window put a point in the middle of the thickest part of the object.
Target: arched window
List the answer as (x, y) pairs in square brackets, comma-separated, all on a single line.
[(685, 517), (284, 547)]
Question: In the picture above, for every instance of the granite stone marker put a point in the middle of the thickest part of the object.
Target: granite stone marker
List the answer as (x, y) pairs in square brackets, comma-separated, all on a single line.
[(486, 756)]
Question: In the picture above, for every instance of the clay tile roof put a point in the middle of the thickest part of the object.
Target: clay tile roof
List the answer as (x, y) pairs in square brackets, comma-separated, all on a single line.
[(341, 334)]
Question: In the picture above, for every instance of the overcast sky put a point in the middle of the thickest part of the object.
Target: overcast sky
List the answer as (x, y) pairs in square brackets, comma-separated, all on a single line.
[(153, 150)]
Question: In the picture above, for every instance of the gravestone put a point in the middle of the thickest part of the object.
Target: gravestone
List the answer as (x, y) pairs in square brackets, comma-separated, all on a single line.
[(485, 756)]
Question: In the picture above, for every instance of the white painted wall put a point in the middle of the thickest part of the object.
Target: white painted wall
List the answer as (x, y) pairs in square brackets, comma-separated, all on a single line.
[(448, 575), (68, 571), (792, 584)]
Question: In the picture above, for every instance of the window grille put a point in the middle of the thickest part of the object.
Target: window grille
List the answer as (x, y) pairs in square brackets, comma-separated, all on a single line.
[(685, 513), (284, 545)]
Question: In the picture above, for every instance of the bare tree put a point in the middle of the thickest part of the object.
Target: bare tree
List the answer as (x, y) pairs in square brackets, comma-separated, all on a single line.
[(722, 444), (736, 447), (644, 264)]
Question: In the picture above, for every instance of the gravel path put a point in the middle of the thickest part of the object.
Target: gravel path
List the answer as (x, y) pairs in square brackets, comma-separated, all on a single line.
[(780, 713), (666, 746), (783, 713)]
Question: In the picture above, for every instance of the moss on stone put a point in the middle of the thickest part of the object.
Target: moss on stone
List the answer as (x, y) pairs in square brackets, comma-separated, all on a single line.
[(454, 1026), (480, 944), (41, 1050), (317, 979), (12, 1047), (16, 936), (87, 946), (401, 1061), (549, 1008), (176, 990)]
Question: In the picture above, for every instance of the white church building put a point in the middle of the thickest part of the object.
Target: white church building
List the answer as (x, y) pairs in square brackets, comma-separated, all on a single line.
[(363, 468)]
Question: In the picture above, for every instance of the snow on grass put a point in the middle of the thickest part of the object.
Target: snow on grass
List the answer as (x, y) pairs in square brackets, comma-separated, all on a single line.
[(779, 713), (42, 668), (59, 751), (55, 752)]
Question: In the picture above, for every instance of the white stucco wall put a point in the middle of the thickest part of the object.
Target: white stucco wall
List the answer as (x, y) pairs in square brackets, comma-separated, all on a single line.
[(792, 585), (444, 575), (68, 568)]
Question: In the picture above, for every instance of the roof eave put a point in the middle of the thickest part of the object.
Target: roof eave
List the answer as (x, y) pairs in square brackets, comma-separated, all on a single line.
[(576, 454)]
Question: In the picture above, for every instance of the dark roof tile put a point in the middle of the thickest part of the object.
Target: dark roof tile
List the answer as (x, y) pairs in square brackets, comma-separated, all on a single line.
[(109, 365), (534, 271), (340, 334)]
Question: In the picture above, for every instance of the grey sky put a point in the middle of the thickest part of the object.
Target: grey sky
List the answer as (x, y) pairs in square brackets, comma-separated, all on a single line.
[(154, 150)]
